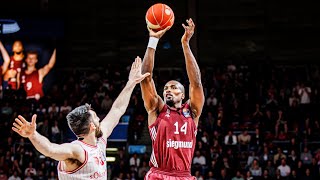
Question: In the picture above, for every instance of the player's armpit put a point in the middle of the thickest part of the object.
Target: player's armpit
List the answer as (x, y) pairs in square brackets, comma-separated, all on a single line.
[(61, 152)]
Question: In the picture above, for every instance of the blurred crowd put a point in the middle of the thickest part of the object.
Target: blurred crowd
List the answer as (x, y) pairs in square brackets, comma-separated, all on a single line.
[(259, 121)]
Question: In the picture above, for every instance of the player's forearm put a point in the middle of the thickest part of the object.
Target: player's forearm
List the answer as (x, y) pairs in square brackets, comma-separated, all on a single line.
[(148, 61), (52, 60), (42, 144), (122, 102), (192, 67), (4, 53)]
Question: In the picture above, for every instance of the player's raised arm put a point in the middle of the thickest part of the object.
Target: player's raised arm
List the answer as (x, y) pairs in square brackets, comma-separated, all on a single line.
[(196, 91), (43, 145), (151, 99), (6, 58), (45, 70), (121, 103)]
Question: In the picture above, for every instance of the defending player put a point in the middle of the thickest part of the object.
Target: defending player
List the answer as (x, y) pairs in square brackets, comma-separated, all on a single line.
[(84, 158)]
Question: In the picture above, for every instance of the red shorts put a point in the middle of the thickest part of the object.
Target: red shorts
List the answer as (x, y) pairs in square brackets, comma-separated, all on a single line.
[(156, 174)]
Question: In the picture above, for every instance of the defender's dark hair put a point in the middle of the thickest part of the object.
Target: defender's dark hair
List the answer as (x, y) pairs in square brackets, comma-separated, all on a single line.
[(79, 120)]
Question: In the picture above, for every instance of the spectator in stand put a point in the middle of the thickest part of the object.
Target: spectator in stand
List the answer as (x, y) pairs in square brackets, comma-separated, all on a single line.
[(255, 169), (30, 169), (265, 157), (306, 156), (277, 157), (285, 170), (65, 108), (244, 140), (106, 104), (305, 96), (134, 160), (281, 123), (230, 139), (238, 176)]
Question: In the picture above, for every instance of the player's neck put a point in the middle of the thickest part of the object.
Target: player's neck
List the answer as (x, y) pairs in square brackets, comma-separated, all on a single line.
[(176, 106), (31, 68), (90, 139), (18, 56)]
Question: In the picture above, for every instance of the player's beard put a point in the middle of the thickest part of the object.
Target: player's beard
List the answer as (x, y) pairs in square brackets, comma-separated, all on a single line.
[(98, 132), (170, 103)]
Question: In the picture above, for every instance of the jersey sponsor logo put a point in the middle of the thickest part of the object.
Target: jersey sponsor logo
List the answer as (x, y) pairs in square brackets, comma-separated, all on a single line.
[(186, 112), (168, 113), (179, 144), (97, 175)]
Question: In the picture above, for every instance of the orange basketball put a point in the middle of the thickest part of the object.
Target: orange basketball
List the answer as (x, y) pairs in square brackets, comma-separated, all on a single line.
[(159, 16)]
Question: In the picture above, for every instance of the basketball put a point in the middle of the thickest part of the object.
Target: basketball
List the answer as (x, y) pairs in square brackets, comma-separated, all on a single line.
[(159, 16)]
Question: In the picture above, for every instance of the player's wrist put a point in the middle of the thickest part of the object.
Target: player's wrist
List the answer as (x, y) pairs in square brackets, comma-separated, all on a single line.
[(153, 42), (32, 135)]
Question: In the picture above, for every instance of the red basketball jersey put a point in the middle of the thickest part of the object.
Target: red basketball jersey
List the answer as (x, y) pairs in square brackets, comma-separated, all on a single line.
[(16, 65), (31, 85), (173, 137)]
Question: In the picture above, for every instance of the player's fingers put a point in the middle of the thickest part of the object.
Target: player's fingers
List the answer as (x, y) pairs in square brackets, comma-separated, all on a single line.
[(16, 125), (192, 23), (23, 120), (133, 64), (167, 28), (34, 119), (18, 121), (16, 130), (184, 26), (146, 75), (138, 61)]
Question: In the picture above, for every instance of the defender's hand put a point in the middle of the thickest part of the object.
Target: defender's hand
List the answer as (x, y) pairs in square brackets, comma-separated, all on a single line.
[(23, 127), (135, 72)]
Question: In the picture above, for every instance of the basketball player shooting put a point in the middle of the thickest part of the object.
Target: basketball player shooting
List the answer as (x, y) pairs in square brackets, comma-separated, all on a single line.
[(172, 125), (84, 158)]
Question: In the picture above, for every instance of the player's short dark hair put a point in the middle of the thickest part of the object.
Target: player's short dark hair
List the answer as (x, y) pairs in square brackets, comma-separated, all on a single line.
[(32, 52), (79, 120)]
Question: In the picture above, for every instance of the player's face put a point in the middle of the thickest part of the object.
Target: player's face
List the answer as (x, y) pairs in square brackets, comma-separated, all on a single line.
[(96, 122), (32, 59), (173, 93), (17, 47)]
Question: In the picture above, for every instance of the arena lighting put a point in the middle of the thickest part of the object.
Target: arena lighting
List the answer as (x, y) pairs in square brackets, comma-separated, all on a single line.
[(111, 159), (112, 149), (8, 26)]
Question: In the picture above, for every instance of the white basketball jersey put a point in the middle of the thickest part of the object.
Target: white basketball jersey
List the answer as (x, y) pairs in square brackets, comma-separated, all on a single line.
[(94, 166)]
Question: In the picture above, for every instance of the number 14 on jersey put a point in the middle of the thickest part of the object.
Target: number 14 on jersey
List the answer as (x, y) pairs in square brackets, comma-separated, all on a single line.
[(182, 129)]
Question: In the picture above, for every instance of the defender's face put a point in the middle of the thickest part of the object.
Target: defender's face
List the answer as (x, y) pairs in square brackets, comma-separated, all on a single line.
[(173, 93), (96, 122), (17, 47)]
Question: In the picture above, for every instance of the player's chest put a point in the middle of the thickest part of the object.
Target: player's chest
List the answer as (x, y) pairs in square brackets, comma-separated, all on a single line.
[(176, 124), (97, 158)]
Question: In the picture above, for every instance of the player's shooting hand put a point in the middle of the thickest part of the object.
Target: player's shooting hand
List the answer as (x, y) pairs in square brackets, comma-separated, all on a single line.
[(157, 34), (23, 127), (188, 31), (135, 72)]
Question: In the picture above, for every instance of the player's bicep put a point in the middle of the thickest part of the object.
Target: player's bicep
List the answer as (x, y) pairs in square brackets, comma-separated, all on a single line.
[(62, 152), (196, 99), (149, 95)]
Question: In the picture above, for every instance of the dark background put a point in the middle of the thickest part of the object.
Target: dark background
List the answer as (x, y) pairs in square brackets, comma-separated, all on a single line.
[(97, 33)]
